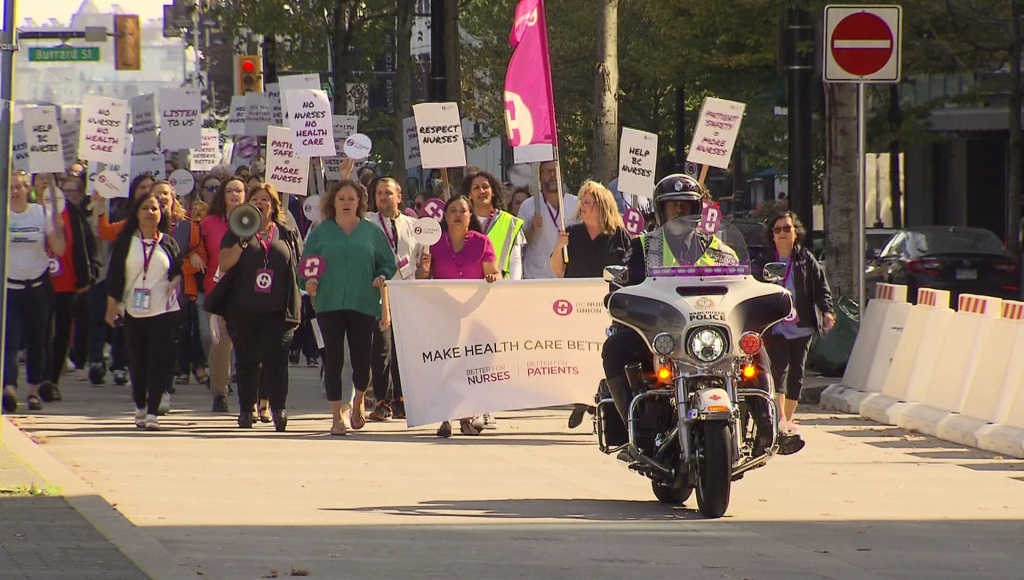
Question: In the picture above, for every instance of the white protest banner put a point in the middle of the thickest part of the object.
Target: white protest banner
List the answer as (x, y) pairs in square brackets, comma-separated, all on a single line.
[(309, 117), (273, 92), (286, 171), (257, 114), (344, 126), (536, 153), (440, 133), (70, 117), (143, 108), (151, 164), (412, 143), (228, 153), (181, 119), (43, 133), (715, 135), (236, 118), (108, 184), (104, 129), (638, 157), (208, 155), (294, 83), (19, 147), (460, 354)]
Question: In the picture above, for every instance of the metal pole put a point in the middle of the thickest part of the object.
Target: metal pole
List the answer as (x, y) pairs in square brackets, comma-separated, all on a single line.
[(878, 190), (7, 46), (858, 250)]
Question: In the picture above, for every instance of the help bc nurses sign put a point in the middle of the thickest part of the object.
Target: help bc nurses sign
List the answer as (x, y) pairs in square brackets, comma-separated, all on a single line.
[(638, 152), (716, 132), (461, 355)]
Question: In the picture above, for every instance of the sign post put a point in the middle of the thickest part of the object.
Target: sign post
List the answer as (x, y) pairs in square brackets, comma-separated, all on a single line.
[(863, 44)]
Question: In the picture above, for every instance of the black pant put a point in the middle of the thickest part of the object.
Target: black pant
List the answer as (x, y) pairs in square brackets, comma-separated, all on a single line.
[(28, 325), (261, 341), (64, 310), (151, 343), (305, 341), (358, 327), (80, 334), (387, 385), (788, 359), (191, 355)]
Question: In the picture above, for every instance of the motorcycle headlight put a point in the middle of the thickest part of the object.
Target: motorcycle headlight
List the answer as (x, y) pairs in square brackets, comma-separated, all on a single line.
[(664, 344), (707, 344)]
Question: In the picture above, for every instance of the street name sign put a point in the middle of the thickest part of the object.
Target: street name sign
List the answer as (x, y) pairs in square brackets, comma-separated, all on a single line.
[(64, 54)]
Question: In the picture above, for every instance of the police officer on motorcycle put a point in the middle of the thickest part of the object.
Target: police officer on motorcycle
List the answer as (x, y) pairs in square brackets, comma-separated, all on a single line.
[(675, 196)]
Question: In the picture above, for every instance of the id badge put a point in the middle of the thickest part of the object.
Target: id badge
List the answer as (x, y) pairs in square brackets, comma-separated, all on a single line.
[(406, 269), (264, 280), (141, 300)]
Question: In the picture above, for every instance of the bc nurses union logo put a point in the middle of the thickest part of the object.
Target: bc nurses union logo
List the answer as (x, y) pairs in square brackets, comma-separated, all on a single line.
[(562, 307)]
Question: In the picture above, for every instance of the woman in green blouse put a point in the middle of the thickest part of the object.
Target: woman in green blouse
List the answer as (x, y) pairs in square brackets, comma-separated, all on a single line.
[(346, 297)]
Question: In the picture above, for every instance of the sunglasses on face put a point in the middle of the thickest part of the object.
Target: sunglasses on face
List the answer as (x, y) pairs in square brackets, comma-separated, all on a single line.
[(213, 188), (781, 229)]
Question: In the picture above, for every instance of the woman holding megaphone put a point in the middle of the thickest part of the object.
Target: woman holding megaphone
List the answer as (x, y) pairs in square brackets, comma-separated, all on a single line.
[(347, 295), (259, 256)]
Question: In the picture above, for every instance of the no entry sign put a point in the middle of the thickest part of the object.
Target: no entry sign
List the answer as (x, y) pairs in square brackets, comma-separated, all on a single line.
[(862, 44)]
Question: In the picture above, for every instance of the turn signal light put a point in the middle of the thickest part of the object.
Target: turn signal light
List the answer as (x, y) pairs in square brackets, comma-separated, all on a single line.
[(664, 374), (750, 343), (749, 372), (717, 409)]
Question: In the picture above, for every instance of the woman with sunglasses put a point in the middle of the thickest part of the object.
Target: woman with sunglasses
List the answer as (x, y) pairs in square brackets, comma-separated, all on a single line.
[(788, 342)]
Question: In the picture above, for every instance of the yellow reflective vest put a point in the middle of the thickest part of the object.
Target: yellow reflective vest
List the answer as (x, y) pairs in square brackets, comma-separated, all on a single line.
[(658, 254), (503, 231)]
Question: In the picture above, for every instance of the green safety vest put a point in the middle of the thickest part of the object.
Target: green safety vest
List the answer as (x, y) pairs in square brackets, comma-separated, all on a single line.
[(503, 231), (668, 259)]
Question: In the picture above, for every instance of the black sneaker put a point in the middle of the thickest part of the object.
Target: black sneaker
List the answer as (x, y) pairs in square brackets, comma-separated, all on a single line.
[(120, 377), (280, 420), (578, 411), (245, 420), (49, 392), (293, 357), (398, 410), (10, 403), (97, 373), (220, 404), (790, 443)]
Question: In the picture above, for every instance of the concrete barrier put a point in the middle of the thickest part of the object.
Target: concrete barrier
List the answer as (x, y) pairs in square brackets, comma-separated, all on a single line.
[(947, 381), (1005, 434), (915, 354), (873, 350)]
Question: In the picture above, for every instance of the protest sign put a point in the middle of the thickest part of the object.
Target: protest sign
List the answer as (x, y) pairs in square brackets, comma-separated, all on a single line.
[(246, 149), (286, 171), (108, 184), (143, 131), (439, 130), (536, 153), (638, 157), (181, 119), (70, 117), (182, 181), (208, 155), (426, 231), (344, 126), (460, 355), (121, 170), (311, 123), (715, 135), (257, 114), (412, 143), (227, 155), (434, 209), (358, 146), (43, 135), (19, 147), (236, 117), (273, 92), (311, 208), (295, 83), (103, 131), (151, 164)]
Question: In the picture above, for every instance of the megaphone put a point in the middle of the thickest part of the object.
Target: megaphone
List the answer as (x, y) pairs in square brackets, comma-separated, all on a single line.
[(245, 221)]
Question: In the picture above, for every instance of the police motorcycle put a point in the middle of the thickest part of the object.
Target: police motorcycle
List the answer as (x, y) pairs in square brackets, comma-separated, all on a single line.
[(705, 416)]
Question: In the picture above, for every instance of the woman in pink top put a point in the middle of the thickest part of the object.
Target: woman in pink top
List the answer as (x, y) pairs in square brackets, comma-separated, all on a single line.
[(213, 228), (462, 253)]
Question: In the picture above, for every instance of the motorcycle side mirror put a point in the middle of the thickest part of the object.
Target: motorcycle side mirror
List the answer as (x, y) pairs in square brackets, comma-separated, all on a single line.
[(615, 274), (774, 271)]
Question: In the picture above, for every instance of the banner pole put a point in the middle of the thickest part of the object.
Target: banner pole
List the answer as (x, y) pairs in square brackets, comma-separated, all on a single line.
[(445, 184), (561, 213), (703, 174)]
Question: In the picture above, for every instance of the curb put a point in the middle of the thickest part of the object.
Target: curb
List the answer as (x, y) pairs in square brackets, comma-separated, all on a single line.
[(150, 556)]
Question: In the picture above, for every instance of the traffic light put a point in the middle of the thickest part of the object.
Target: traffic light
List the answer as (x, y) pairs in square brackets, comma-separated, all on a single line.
[(127, 42), (250, 74)]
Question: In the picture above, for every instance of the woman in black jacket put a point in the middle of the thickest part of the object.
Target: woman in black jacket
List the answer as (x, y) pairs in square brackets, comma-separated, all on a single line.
[(788, 342), (144, 280)]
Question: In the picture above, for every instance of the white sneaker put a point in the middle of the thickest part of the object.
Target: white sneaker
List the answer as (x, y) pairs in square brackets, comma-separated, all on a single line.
[(165, 404), (152, 423), (490, 422), (140, 418)]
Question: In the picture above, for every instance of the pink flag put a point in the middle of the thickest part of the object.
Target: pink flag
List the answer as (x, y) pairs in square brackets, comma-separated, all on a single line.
[(529, 100)]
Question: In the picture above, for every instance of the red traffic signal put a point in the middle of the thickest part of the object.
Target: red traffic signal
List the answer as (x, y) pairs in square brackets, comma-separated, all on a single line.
[(249, 74), (248, 66)]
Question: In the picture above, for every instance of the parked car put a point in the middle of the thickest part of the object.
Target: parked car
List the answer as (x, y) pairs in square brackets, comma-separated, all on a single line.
[(753, 235), (961, 260), (875, 240)]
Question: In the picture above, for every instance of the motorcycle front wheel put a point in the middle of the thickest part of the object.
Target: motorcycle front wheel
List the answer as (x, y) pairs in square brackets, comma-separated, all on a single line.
[(714, 471), (671, 495)]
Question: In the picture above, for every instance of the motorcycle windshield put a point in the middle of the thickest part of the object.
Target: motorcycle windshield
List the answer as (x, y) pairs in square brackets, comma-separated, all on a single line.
[(695, 246)]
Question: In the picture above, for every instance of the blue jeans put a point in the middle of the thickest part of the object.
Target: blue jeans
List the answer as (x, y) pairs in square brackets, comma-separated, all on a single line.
[(28, 325)]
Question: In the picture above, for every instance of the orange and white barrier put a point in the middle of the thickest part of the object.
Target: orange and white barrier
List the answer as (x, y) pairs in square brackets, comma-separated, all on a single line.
[(1013, 310), (873, 351), (1004, 432)]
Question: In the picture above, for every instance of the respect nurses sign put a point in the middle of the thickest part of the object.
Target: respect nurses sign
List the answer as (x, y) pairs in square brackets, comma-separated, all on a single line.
[(439, 130)]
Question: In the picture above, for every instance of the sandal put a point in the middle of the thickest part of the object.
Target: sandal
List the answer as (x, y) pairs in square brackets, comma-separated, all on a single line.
[(445, 430), (339, 429), (202, 376), (358, 418), (34, 403), (468, 428), (10, 402), (264, 413)]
